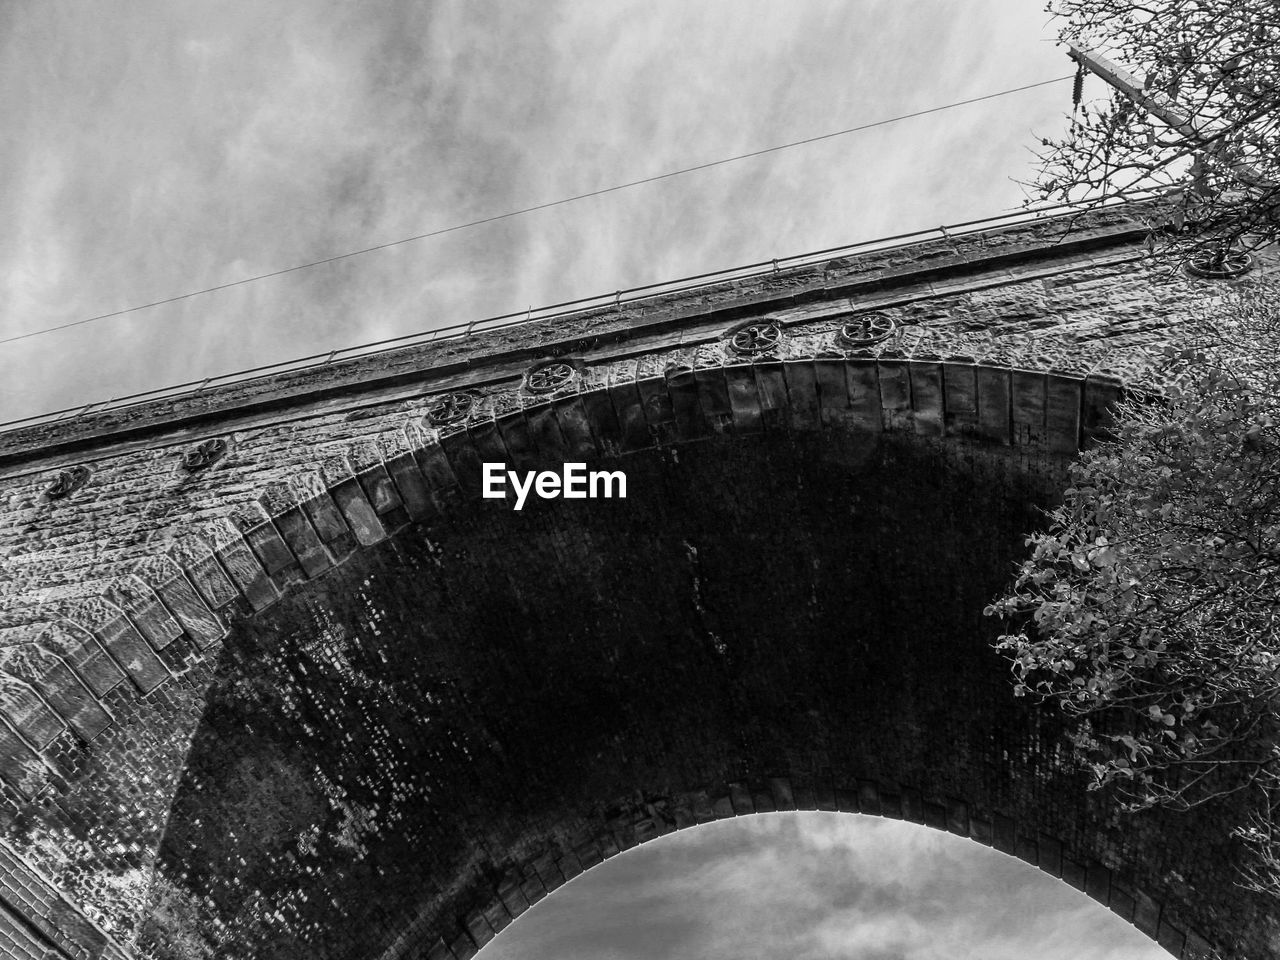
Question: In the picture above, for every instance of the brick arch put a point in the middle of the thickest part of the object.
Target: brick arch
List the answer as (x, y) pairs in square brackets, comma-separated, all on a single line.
[(149, 584), (357, 493), (371, 493), (383, 512), (360, 492)]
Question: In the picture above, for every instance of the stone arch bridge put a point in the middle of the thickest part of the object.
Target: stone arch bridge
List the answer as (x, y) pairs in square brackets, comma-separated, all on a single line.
[(276, 682)]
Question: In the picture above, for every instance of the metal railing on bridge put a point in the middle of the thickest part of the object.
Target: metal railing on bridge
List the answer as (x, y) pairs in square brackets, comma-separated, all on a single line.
[(618, 299)]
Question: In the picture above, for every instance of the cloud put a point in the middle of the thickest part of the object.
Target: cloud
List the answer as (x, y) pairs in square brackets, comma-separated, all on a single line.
[(817, 887), (162, 148)]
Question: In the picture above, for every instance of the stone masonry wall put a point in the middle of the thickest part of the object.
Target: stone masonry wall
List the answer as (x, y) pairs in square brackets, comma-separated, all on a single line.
[(202, 512)]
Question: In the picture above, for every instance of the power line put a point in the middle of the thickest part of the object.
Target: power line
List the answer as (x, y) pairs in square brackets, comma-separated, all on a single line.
[(541, 206)]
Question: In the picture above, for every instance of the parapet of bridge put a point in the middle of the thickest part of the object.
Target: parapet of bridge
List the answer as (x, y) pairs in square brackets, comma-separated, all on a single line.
[(275, 682)]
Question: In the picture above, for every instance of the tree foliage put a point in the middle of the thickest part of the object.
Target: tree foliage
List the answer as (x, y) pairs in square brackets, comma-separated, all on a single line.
[(1216, 178), (1150, 607)]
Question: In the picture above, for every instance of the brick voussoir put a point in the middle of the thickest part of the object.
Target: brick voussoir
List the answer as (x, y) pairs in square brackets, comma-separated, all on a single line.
[(306, 537)]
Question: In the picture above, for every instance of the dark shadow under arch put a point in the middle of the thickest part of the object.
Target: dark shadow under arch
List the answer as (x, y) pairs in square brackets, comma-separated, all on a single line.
[(399, 756)]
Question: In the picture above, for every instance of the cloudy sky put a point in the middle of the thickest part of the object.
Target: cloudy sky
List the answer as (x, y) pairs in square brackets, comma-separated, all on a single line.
[(817, 886), (151, 148)]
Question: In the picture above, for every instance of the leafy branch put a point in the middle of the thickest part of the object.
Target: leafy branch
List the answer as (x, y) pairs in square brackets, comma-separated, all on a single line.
[(1149, 609)]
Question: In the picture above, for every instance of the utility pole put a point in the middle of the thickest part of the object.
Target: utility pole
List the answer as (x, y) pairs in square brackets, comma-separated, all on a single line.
[(1166, 109), (1158, 104)]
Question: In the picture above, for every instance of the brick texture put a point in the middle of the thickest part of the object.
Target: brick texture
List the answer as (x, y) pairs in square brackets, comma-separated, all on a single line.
[(274, 682)]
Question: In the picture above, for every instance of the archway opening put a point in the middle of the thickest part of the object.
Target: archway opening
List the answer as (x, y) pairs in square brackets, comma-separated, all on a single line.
[(817, 886), (401, 757)]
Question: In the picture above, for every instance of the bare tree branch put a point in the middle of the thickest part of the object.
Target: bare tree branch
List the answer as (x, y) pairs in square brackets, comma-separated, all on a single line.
[(1219, 61)]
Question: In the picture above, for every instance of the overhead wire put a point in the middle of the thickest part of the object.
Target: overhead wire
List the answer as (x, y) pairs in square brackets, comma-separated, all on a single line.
[(532, 209)]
